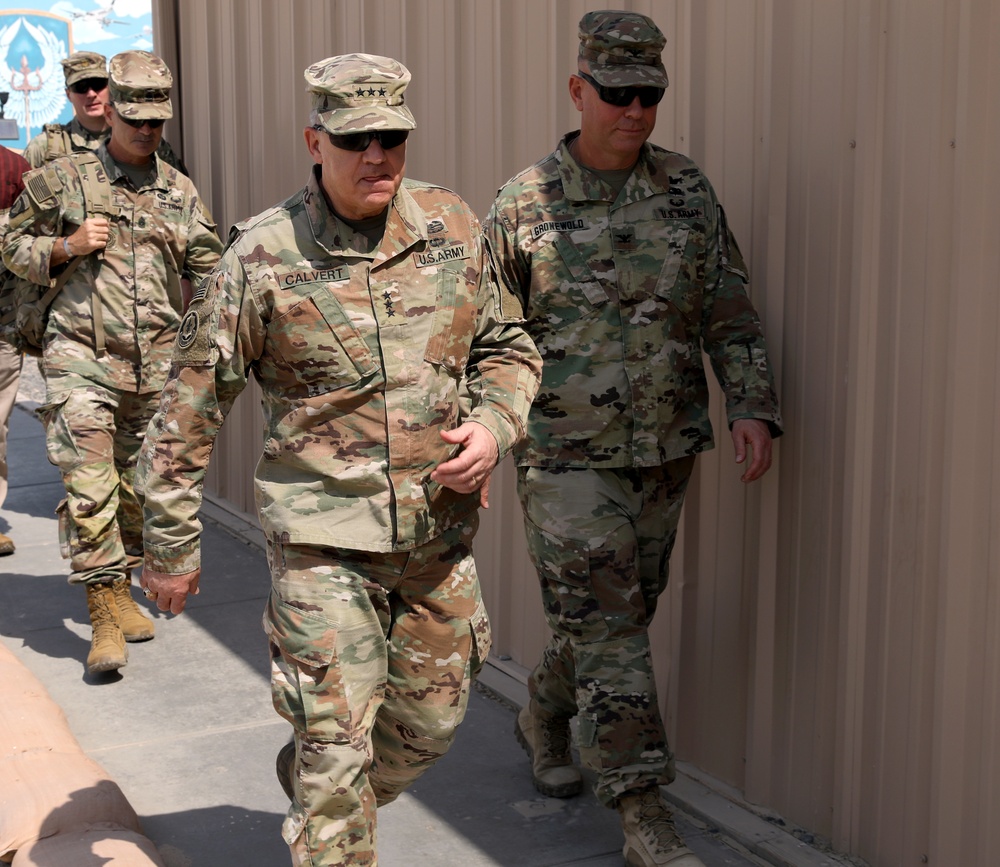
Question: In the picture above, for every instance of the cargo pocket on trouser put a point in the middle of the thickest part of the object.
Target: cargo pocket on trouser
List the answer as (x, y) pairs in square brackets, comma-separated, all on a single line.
[(65, 529), (332, 819), (620, 733), (572, 608)]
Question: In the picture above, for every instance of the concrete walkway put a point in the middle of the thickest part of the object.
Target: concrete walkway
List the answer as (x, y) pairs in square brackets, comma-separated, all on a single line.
[(188, 732)]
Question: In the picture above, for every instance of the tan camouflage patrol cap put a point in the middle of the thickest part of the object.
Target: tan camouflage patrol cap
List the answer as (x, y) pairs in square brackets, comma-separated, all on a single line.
[(84, 64), (622, 48), (359, 92), (140, 86)]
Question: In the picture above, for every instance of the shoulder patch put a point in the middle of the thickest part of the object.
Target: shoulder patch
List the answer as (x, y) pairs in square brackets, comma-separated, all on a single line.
[(188, 330), (43, 184)]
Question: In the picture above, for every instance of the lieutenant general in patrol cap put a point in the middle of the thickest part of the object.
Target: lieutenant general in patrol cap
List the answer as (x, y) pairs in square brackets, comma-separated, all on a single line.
[(140, 85), (364, 305), (622, 49), (359, 92)]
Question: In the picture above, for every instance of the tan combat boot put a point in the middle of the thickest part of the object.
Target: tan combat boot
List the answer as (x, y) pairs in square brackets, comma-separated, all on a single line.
[(545, 739), (6, 545), (651, 840), (135, 625), (107, 646)]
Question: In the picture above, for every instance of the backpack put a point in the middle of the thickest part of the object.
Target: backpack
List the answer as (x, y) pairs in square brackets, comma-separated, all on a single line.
[(24, 306)]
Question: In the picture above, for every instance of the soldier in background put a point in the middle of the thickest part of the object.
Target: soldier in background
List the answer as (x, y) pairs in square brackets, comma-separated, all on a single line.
[(620, 253), (394, 378), (12, 169), (87, 91), (110, 330)]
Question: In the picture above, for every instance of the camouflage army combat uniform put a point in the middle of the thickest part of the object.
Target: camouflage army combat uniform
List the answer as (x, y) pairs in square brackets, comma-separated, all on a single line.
[(620, 293), (365, 350), (108, 339)]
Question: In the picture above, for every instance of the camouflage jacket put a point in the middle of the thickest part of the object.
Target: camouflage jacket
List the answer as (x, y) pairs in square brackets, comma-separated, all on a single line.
[(58, 139), (620, 297), (159, 234), (363, 358)]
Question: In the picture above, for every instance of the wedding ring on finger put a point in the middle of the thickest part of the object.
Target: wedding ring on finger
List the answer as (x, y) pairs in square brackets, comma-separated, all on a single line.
[(149, 594)]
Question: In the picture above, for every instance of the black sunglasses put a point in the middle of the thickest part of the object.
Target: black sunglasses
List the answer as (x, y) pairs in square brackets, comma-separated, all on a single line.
[(359, 141), (140, 122), (623, 96), (86, 85)]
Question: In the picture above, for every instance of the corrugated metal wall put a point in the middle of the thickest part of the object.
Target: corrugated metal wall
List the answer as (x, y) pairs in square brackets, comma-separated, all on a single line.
[(831, 642)]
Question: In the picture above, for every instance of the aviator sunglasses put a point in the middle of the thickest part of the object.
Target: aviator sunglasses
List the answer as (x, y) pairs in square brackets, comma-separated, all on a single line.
[(623, 96), (359, 141), (86, 85)]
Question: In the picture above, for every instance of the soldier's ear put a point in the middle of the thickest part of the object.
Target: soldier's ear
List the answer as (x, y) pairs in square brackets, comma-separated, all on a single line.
[(312, 143), (576, 91)]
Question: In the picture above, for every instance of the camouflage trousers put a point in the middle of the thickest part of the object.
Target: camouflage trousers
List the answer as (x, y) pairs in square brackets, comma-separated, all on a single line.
[(93, 434), (10, 373), (373, 656), (601, 542)]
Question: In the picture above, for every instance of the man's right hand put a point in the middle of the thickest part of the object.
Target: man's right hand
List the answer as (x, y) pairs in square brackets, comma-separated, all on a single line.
[(169, 592), (92, 235)]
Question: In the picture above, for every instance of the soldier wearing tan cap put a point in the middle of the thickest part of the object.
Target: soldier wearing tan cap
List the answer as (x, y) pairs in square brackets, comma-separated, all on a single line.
[(87, 90), (123, 230), (394, 377), (621, 250)]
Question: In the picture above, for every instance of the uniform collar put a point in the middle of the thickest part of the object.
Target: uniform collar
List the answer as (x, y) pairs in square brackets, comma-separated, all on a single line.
[(405, 225), (79, 132), (156, 179), (585, 186)]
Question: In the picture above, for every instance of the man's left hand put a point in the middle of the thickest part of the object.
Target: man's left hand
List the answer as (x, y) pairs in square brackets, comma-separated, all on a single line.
[(754, 433), (470, 469)]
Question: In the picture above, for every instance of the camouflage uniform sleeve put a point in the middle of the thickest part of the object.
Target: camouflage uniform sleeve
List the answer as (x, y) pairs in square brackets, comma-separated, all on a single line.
[(203, 245), (35, 152), (35, 226), (221, 335), (732, 334), (512, 270), (504, 366)]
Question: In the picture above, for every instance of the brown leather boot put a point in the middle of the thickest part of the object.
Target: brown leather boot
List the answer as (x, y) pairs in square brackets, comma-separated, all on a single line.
[(545, 738), (651, 840), (107, 645), (135, 625), (6, 545)]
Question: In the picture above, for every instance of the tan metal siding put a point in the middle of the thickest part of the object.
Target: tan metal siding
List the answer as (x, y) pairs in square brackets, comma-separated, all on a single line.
[(830, 640)]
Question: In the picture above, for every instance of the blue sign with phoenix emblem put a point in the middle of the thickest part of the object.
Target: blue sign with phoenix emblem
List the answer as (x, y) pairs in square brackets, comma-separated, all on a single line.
[(37, 36)]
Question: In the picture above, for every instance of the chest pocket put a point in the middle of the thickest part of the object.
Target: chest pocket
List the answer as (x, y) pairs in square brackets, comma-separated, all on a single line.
[(564, 288), (681, 249), (454, 325), (319, 344)]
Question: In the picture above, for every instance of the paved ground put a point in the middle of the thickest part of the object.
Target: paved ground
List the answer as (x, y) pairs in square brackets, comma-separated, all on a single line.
[(188, 732)]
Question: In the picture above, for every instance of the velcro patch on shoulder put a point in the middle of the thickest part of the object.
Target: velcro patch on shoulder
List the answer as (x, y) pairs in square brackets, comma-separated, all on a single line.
[(43, 185), (193, 345)]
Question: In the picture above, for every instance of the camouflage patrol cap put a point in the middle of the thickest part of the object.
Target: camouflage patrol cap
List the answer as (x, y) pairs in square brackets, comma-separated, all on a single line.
[(140, 86), (622, 48), (359, 92), (84, 64)]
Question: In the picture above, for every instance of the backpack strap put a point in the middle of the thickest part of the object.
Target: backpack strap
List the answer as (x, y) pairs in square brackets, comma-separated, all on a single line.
[(97, 202), (57, 141)]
